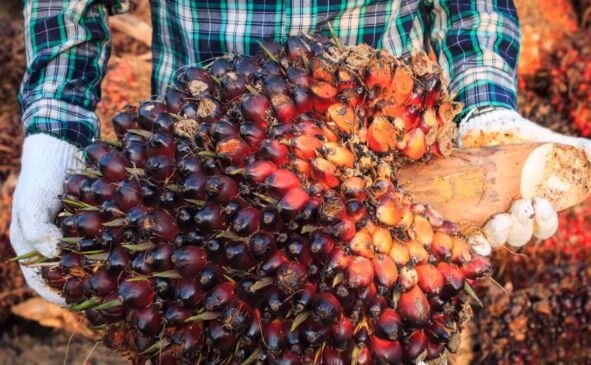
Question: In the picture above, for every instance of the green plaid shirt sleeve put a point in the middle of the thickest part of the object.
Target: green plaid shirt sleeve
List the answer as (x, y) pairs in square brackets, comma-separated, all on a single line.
[(477, 44), (67, 48), (476, 41)]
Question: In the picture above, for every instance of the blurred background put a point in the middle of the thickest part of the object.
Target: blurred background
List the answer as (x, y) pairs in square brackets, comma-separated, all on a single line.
[(536, 310)]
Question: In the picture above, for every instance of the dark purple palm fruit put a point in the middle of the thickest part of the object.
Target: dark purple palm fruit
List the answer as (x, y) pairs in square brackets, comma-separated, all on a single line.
[(175, 97), (125, 120), (128, 194), (189, 260), (148, 112), (95, 151), (219, 296), (189, 293)]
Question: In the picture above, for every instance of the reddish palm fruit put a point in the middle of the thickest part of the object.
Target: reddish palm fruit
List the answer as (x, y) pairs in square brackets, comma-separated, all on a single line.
[(189, 293), (73, 289), (431, 280), (381, 135), (305, 146), (221, 295), (299, 77), (102, 283), (88, 224), (188, 165), (389, 211), (238, 256), (136, 294), (360, 272), (341, 332), (261, 245), (163, 124), (279, 182), (454, 279), (86, 193), (408, 277), (442, 245), (385, 270), (148, 112), (293, 201), (303, 299), (149, 321), (210, 217), (413, 144), (416, 346), (176, 314), (73, 183), (344, 229), (479, 267), (386, 351), (160, 258), (234, 150), (274, 151), (326, 308), (193, 186), (389, 325), (258, 171), (125, 120), (315, 332), (95, 151), (321, 244), (246, 221), (460, 251), (434, 351), (232, 85), (296, 48), (274, 335), (361, 244), (160, 144), (189, 260), (273, 263), (413, 307), (221, 188), (219, 339), (343, 116), (128, 194), (159, 224), (338, 260), (284, 107), (290, 277), (159, 168)]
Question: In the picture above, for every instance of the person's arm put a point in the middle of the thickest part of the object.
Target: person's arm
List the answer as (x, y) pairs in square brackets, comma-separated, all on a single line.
[(67, 48), (477, 45)]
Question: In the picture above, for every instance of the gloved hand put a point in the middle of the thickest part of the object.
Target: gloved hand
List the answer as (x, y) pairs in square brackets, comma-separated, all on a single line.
[(45, 161), (526, 218)]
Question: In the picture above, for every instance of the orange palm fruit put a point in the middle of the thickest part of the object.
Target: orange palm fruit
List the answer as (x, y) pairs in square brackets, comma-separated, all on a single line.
[(413, 144), (399, 253), (343, 116), (460, 251), (361, 244), (382, 240), (338, 155), (442, 245), (423, 232), (381, 135)]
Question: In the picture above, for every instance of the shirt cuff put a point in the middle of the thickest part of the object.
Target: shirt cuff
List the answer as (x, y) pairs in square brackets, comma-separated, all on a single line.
[(484, 86), (68, 122)]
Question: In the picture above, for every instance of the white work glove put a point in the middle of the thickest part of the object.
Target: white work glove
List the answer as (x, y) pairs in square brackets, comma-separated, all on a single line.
[(526, 218), (44, 163)]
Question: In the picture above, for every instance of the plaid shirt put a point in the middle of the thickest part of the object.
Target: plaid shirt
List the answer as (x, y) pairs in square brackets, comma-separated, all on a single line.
[(67, 46)]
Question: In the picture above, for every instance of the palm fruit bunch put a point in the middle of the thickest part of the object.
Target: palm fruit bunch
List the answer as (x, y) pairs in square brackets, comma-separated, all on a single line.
[(252, 215), (543, 315)]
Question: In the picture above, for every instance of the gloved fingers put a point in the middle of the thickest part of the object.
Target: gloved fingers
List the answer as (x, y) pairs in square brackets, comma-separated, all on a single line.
[(17, 240), (35, 281), (545, 218), (526, 219), (38, 233)]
